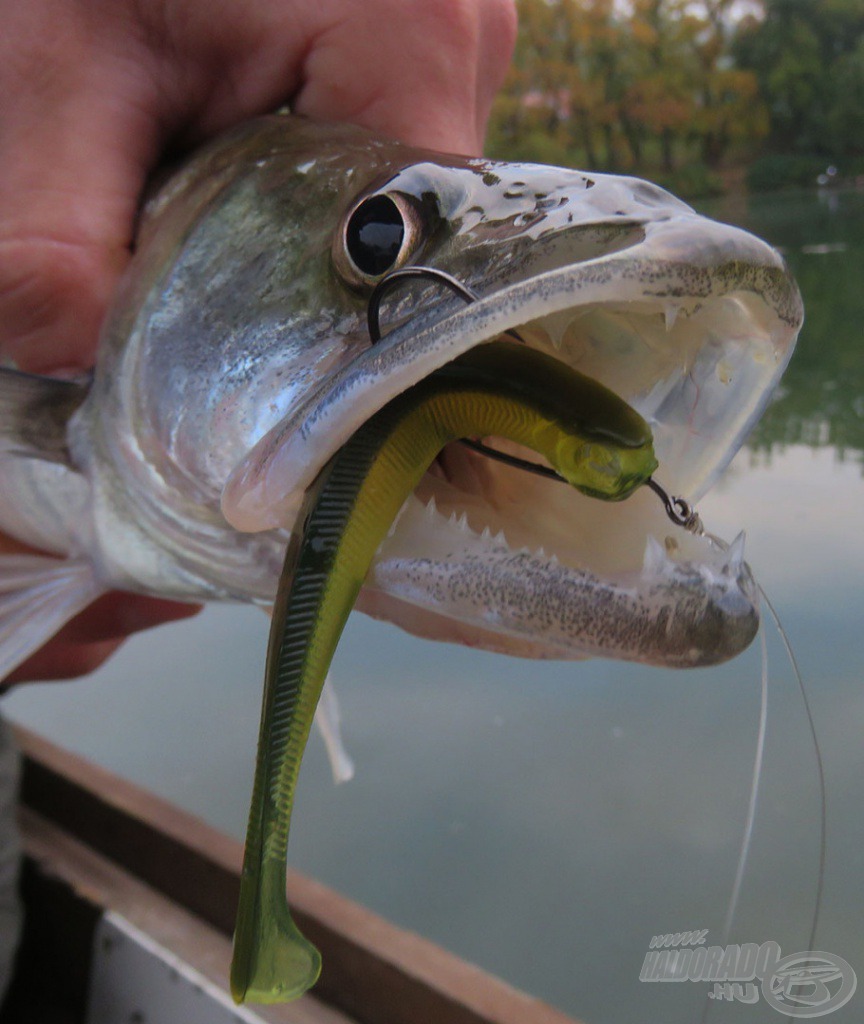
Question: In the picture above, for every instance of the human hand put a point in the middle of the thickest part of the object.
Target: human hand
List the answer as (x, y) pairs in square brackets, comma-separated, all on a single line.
[(88, 639), (95, 91)]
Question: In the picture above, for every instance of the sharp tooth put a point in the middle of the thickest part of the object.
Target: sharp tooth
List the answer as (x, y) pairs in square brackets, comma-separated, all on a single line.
[(486, 535), (395, 524), (670, 312), (555, 332), (654, 560), (431, 508), (462, 523), (735, 555)]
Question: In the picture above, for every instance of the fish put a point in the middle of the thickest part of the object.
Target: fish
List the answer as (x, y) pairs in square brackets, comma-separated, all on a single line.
[(250, 341), (236, 360), (594, 441)]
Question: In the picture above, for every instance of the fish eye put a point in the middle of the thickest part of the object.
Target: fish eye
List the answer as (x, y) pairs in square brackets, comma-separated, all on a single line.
[(374, 235), (379, 235)]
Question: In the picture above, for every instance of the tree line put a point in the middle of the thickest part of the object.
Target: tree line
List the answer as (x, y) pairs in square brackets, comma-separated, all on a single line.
[(685, 90)]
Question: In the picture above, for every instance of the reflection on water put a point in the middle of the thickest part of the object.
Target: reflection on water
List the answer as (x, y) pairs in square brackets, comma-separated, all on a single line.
[(544, 819)]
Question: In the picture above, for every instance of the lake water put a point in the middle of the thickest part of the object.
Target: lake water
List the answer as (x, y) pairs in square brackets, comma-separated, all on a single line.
[(546, 820)]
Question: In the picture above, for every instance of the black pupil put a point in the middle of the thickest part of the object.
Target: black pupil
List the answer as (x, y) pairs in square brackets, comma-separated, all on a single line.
[(374, 235)]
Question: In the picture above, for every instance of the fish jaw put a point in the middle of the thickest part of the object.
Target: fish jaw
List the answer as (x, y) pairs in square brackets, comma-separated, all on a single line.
[(686, 605), (480, 566), (693, 326)]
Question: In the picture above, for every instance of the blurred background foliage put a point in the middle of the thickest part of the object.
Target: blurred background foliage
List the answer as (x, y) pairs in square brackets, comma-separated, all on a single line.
[(704, 96)]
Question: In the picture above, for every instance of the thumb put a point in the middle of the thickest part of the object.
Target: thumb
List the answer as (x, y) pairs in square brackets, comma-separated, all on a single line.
[(428, 79)]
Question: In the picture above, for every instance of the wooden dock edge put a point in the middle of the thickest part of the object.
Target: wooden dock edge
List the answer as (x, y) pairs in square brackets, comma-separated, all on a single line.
[(124, 849)]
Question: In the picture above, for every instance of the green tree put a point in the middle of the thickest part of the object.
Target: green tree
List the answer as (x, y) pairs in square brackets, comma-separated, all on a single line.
[(728, 105), (844, 124), (803, 53)]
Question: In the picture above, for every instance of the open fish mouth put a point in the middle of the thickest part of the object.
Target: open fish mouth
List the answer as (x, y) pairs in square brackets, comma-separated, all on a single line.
[(692, 325)]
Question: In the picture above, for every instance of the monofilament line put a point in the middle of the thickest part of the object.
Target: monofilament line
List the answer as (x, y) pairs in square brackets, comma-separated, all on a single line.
[(820, 768), (750, 821)]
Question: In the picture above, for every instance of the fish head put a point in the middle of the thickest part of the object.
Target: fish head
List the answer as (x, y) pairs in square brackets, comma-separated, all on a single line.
[(248, 363)]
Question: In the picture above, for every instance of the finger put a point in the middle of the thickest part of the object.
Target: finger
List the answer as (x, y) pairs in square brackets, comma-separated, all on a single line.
[(90, 638), (68, 662), (116, 615), (421, 72), (494, 57), (9, 546)]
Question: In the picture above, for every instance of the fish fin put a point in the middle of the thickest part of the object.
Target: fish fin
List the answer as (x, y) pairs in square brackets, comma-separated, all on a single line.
[(35, 412), (38, 595), (329, 721)]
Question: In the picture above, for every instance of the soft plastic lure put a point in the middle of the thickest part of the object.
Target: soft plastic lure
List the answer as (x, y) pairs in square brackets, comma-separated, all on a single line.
[(591, 437)]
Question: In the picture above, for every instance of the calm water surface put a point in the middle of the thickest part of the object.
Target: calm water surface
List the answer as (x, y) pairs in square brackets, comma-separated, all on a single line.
[(546, 820)]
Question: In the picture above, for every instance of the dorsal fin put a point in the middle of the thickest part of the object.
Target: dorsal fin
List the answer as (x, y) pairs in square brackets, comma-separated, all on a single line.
[(35, 412)]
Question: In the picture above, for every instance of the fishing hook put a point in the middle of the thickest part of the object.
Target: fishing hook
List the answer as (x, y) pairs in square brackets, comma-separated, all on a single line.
[(681, 512), (405, 274)]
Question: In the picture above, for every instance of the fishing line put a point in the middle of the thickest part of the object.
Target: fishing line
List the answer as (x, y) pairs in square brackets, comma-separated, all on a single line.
[(756, 778), (373, 321), (820, 770), (758, 766), (750, 820), (820, 766), (684, 515), (678, 510)]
